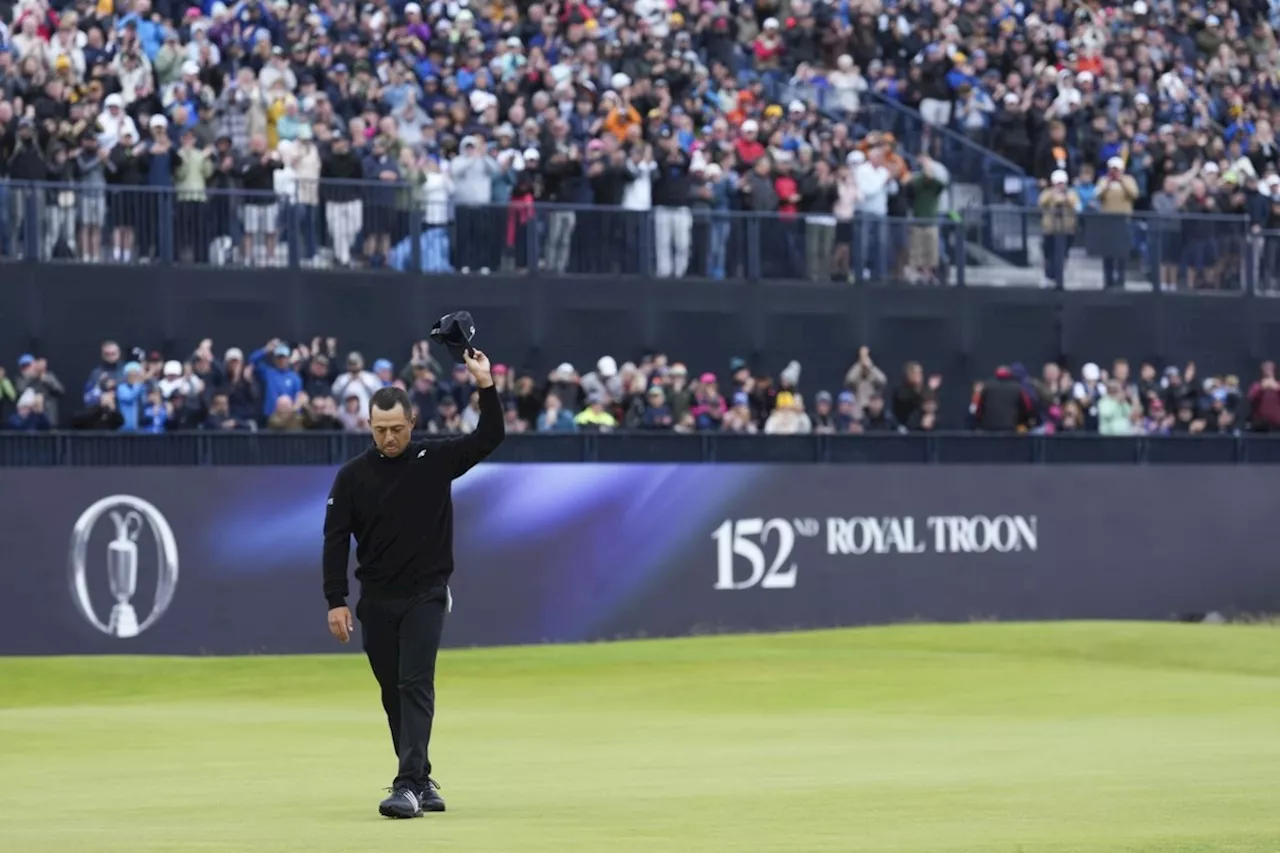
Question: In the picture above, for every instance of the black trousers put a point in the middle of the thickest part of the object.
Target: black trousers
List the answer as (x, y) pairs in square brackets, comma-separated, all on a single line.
[(401, 638)]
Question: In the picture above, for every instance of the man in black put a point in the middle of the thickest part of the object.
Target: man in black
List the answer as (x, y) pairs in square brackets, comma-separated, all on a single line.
[(396, 500)]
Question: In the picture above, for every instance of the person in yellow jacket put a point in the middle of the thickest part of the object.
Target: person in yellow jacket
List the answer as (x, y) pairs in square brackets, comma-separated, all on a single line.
[(1115, 194), (594, 418), (1059, 207)]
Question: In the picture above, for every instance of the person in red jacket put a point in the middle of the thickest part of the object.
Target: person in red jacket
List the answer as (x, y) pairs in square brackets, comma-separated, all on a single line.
[(1264, 400)]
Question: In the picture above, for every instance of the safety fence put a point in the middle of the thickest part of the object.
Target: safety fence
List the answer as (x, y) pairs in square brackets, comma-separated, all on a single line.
[(396, 226), (72, 449)]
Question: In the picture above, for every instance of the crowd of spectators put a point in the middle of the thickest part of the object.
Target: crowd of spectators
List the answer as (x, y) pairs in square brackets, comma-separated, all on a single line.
[(680, 110), (284, 387), (459, 116)]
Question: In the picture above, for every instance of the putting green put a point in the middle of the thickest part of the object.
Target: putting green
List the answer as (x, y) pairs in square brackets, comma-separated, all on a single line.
[(1076, 737)]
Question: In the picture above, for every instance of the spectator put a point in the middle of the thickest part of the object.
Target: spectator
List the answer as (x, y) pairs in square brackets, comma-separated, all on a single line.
[(595, 418), (512, 420), (1115, 411), (8, 396), (447, 421), (101, 416), (471, 414), (131, 396), (1003, 404), (739, 418), (708, 405), (219, 416), (29, 415), (1264, 400), (109, 368), (657, 414), (285, 416), (910, 392), (926, 188), (344, 214), (877, 418), (824, 418), (864, 379), (275, 375), (354, 419), (1116, 194), (553, 417), (34, 374), (320, 413), (1059, 206)]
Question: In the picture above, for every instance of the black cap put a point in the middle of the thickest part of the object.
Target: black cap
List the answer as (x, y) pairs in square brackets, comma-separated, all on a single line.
[(454, 332)]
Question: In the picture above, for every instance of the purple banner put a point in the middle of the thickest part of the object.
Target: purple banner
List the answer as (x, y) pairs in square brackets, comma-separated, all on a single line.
[(226, 560)]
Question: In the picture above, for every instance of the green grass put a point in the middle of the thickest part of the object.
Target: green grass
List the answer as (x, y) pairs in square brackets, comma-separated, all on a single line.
[(1088, 737)]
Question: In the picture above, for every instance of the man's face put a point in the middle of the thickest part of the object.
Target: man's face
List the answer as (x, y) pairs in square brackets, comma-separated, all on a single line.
[(391, 429), (219, 406), (110, 354)]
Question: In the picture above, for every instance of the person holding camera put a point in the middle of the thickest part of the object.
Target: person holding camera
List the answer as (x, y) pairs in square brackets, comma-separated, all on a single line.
[(30, 415)]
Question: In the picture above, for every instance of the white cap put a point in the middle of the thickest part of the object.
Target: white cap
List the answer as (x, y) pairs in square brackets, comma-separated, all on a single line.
[(158, 121), (796, 107), (565, 367), (750, 126), (172, 368), (412, 9), (770, 23), (607, 367), (514, 41), (855, 158), (1115, 163), (1141, 98), (1010, 98), (1140, 7), (234, 354), (713, 171), (190, 67), (1058, 177), (114, 100), (1212, 21), (1211, 167), (619, 81), (531, 154), (1090, 372), (1085, 76)]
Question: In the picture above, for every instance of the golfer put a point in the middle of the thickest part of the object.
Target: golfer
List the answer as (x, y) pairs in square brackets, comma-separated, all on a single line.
[(395, 498)]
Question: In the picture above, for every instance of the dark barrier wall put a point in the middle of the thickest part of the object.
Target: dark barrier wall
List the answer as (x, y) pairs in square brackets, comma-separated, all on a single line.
[(534, 322), (227, 560)]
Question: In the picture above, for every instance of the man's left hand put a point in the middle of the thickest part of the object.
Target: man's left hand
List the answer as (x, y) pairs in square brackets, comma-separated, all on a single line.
[(478, 366)]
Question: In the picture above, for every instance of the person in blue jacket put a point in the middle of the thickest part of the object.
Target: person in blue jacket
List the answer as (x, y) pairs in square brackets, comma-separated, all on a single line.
[(275, 374), (130, 395)]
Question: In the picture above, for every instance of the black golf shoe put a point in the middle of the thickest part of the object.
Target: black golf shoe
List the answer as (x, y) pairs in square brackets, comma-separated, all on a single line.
[(403, 803), (430, 796)]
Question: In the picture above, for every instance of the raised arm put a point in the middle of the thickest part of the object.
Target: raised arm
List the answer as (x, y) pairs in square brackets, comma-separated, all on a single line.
[(465, 452)]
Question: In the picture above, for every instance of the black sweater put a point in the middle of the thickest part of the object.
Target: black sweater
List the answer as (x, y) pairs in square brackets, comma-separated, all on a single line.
[(400, 511)]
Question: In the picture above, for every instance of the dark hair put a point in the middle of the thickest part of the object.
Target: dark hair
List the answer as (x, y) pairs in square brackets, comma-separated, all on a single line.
[(388, 398)]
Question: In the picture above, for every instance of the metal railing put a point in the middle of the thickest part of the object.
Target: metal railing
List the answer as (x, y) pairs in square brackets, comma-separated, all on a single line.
[(340, 224), (68, 449), (969, 161)]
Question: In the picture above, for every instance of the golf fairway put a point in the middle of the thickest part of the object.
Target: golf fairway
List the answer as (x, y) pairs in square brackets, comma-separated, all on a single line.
[(987, 738)]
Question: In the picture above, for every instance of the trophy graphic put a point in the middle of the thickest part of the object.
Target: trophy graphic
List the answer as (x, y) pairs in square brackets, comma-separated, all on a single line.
[(122, 571), (129, 515)]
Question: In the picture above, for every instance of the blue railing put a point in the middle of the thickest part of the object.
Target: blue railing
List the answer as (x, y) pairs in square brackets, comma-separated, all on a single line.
[(342, 224), (239, 449)]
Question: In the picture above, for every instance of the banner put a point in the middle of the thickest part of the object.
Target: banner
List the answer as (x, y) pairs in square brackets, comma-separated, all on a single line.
[(227, 560)]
